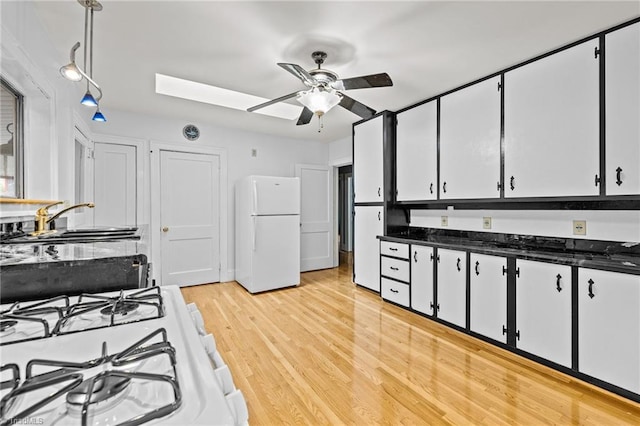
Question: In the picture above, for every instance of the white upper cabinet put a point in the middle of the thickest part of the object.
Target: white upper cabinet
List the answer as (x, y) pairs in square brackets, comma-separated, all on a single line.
[(622, 106), (416, 153), (551, 125), (470, 142), (368, 161)]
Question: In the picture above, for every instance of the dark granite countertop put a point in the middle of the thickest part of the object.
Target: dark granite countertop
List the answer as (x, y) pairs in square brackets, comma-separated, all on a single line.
[(606, 255)]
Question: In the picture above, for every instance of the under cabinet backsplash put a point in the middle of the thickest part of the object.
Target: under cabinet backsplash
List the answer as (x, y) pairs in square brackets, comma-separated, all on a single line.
[(622, 225)]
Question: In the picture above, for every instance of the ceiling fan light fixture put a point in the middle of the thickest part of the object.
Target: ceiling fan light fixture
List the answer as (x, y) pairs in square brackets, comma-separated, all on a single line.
[(319, 100)]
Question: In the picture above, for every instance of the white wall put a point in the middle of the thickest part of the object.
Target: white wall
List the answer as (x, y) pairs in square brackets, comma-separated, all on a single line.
[(30, 62), (276, 156), (340, 152)]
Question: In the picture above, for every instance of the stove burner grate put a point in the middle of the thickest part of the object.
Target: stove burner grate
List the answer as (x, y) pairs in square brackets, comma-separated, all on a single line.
[(104, 390)]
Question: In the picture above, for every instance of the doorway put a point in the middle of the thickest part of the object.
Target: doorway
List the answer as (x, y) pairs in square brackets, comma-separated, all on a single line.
[(345, 214)]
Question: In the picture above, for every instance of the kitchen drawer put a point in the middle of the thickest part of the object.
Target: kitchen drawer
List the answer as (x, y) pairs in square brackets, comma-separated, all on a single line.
[(394, 249), (395, 291), (395, 268)]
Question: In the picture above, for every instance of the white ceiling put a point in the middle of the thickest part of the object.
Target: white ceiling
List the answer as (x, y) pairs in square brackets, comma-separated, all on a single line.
[(427, 47)]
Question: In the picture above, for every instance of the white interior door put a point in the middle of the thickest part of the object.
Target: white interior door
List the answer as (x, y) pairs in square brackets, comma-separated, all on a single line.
[(316, 242), (189, 198), (115, 184)]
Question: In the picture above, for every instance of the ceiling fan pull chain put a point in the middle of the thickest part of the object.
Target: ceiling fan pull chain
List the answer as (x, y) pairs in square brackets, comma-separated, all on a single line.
[(320, 123)]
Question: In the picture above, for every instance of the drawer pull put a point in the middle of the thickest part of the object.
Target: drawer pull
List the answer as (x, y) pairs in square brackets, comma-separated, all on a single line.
[(393, 268), (558, 278), (591, 283), (393, 290), (393, 249)]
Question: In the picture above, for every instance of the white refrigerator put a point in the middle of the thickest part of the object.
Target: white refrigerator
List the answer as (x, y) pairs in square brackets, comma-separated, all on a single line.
[(267, 232)]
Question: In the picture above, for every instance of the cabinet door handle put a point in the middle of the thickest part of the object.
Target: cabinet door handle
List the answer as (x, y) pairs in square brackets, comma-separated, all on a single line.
[(618, 180), (378, 191), (512, 182), (378, 215), (458, 264), (393, 268), (393, 291), (504, 270), (415, 256), (596, 180), (431, 187), (444, 187), (504, 330), (591, 283), (558, 278), (477, 271)]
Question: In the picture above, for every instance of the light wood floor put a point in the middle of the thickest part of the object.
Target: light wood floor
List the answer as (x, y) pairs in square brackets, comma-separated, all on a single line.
[(328, 352)]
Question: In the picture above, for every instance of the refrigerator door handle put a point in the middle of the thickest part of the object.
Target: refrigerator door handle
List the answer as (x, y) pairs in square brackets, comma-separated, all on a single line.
[(255, 197), (253, 233)]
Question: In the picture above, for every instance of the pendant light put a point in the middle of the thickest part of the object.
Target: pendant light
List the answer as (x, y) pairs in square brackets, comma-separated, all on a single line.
[(73, 72)]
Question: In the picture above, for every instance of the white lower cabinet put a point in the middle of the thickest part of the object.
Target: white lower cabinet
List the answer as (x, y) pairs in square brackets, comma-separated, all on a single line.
[(452, 286), (488, 300), (609, 327), (422, 258), (368, 224), (395, 291), (543, 310)]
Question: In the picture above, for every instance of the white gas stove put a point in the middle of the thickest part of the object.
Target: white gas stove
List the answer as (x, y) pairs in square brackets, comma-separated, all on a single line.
[(132, 357)]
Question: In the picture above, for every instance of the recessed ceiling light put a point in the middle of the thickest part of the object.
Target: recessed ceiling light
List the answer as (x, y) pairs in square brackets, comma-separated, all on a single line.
[(200, 92)]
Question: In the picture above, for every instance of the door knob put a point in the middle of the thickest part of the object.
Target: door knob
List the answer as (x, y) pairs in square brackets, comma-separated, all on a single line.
[(165, 229)]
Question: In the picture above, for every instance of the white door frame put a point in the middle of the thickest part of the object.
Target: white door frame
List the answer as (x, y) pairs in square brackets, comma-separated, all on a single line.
[(336, 164), (155, 222)]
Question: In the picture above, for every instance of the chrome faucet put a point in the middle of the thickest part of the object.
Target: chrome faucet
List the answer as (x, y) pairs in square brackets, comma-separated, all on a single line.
[(42, 216)]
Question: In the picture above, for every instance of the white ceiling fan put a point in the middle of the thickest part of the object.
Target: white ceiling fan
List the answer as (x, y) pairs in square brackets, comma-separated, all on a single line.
[(324, 90)]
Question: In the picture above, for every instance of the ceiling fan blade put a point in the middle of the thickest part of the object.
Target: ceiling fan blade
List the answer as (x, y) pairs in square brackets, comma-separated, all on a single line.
[(356, 107), (305, 117), (300, 72), (273, 101), (364, 82)]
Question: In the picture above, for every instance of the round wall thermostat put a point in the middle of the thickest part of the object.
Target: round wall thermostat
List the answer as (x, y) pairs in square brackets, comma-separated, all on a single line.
[(191, 132)]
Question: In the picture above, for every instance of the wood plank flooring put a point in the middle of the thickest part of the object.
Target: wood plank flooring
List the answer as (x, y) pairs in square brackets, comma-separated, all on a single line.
[(328, 352)]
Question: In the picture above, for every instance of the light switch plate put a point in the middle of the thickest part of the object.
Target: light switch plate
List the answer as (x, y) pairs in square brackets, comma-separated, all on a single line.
[(444, 220), (579, 227), (486, 223)]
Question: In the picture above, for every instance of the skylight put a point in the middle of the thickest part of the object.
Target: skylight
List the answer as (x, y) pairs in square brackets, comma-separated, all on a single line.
[(200, 92)]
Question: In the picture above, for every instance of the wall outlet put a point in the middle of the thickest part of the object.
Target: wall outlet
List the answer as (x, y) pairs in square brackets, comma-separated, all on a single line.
[(254, 152), (579, 227), (486, 223), (444, 220)]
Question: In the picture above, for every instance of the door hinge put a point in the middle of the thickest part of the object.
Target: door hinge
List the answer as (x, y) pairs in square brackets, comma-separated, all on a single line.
[(596, 52)]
